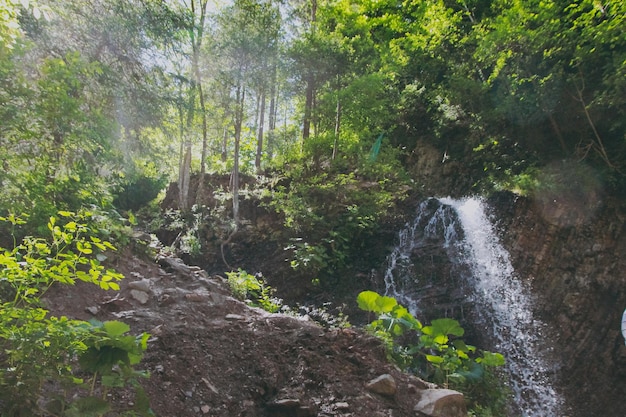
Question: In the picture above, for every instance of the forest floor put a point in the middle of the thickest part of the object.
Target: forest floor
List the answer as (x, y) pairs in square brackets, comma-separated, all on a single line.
[(212, 355)]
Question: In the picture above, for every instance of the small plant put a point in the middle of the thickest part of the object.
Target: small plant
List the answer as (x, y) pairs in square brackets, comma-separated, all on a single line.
[(40, 351), (435, 352), (253, 290)]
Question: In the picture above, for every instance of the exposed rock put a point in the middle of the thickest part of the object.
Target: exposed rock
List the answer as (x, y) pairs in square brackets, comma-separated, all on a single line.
[(287, 403), (576, 267), (383, 385), (197, 297), (175, 266), (92, 310), (441, 403), (342, 406), (143, 285), (140, 296)]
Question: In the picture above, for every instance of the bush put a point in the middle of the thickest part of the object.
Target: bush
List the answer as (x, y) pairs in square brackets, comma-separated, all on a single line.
[(47, 357), (332, 213), (253, 290), (437, 352)]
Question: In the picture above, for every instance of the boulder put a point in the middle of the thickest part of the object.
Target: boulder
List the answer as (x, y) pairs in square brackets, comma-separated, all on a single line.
[(441, 403), (383, 385)]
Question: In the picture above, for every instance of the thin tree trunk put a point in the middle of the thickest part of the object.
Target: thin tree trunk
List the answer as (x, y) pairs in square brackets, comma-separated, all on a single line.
[(185, 168), (308, 107), (598, 143), (198, 79), (205, 142), (272, 116), (337, 127), (225, 144), (310, 85), (181, 153), (185, 178), (259, 144), (240, 98)]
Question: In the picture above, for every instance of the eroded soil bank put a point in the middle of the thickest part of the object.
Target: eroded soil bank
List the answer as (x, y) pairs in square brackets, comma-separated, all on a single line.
[(210, 354)]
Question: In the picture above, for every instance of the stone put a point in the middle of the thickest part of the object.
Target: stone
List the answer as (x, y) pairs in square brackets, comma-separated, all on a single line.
[(92, 310), (142, 285), (234, 317), (196, 297), (342, 406), (140, 296), (210, 386), (205, 409), (286, 403), (383, 385), (441, 403)]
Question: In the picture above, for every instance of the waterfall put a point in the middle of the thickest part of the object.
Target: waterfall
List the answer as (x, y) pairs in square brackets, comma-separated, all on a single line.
[(502, 302)]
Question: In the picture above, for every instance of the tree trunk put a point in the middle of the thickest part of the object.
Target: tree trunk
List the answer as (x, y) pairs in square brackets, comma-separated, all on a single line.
[(185, 178), (337, 127), (259, 144), (308, 107), (205, 140), (240, 98), (225, 145), (310, 85), (184, 173), (272, 116)]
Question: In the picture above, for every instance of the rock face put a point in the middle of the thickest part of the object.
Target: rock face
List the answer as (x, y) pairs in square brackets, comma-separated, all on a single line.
[(441, 403), (576, 266)]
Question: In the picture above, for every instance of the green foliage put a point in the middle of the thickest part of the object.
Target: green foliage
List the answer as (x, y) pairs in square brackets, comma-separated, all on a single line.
[(135, 191), (38, 348), (435, 352), (253, 290), (331, 212)]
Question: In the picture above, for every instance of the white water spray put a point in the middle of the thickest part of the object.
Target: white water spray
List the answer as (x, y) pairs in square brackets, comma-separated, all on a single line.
[(502, 301)]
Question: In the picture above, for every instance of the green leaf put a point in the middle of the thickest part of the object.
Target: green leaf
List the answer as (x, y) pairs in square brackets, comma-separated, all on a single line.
[(461, 346), (142, 403), (386, 304), (144, 341), (372, 301), (367, 300), (434, 359), (491, 359), (447, 326), (88, 407), (71, 226), (113, 381), (115, 328)]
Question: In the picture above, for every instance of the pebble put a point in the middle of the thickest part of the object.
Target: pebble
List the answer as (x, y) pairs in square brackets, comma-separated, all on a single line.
[(342, 406), (140, 296)]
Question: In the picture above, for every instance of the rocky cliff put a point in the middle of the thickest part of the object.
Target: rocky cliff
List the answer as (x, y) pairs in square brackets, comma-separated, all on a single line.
[(573, 256)]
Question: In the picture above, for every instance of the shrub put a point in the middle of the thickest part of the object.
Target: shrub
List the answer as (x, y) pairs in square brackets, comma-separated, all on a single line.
[(436, 352), (253, 290), (47, 356)]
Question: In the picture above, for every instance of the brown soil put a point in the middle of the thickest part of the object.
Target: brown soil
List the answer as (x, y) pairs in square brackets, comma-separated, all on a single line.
[(210, 354)]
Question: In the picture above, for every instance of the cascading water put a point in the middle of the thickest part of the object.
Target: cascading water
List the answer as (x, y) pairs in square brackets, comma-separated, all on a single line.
[(502, 303)]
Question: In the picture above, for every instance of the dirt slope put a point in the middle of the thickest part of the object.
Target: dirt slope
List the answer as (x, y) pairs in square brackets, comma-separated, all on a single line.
[(212, 355)]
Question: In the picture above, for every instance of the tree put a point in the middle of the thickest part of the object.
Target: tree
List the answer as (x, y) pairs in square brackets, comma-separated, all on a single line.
[(248, 34)]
